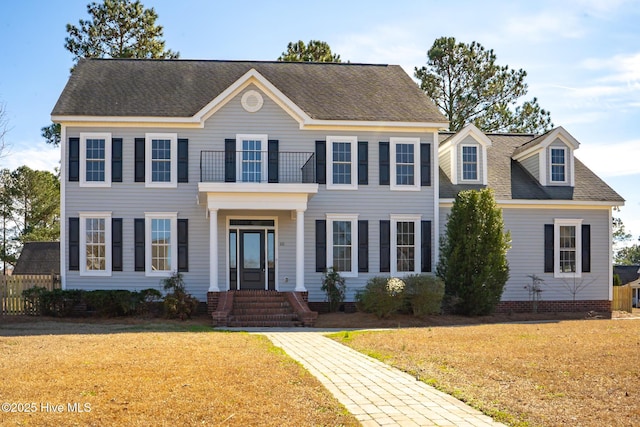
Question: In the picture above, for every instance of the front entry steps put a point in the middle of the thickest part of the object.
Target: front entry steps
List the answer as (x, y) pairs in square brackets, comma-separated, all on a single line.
[(262, 309)]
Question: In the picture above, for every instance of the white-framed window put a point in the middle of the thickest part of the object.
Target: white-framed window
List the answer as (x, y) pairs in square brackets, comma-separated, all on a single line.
[(342, 244), (405, 165), (342, 162), (469, 162), (567, 235), (405, 244), (95, 159), (161, 241), (95, 243), (251, 158), (558, 165), (161, 160)]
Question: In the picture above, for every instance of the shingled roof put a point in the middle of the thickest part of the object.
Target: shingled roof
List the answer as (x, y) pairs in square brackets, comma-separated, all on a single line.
[(38, 258), (181, 88), (511, 181)]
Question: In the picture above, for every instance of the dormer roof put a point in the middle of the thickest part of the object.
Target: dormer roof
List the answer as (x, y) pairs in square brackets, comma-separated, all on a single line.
[(543, 141)]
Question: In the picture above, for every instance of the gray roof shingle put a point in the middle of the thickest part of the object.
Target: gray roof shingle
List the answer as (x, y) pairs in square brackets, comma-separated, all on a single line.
[(181, 88), (511, 181), (38, 258)]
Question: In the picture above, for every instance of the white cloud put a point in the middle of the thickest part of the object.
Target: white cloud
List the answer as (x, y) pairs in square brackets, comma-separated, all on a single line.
[(612, 159), (39, 157), (544, 26)]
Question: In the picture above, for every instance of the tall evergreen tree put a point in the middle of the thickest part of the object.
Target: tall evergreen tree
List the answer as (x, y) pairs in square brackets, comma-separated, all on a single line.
[(314, 51), (115, 29), (468, 86), (473, 254)]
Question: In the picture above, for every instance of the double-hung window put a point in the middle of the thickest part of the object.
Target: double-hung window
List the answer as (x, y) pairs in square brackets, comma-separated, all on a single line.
[(342, 243), (161, 154), (342, 160), (95, 159), (161, 243), (251, 158), (558, 165), (568, 247), (405, 241), (405, 167), (469, 163), (95, 244)]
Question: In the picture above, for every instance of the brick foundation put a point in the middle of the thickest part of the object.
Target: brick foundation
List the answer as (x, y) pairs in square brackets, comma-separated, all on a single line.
[(553, 306), (212, 302), (323, 307)]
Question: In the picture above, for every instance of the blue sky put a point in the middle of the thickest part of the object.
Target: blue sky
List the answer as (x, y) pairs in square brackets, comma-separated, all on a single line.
[(582, 58)]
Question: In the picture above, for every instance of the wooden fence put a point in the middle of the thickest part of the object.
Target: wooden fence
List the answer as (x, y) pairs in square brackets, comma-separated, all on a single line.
[(622, 298), (11, 287)]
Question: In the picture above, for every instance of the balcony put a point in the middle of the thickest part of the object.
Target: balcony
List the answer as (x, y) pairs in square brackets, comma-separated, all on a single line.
[(257, 167), (256, 180)]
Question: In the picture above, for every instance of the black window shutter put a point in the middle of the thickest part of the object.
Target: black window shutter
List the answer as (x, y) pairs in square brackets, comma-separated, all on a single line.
[(548, 248), (321, 245), (363, 163), (74, 244), (385, 246), (425, 165), (321, 162), (74, 159), (183, 245), (116, 244), (139, 160), (586, 248), (425, 246), (138, 228), (273, 163), (183, 160), (384, 164), (363, 246), (116, 160), (229, 160)]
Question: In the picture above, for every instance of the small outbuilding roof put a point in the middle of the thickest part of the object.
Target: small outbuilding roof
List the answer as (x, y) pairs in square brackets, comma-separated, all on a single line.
[(38, 258)]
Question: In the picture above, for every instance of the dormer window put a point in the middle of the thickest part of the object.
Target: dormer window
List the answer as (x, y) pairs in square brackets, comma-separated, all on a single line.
[(469, 163), (558, 165)]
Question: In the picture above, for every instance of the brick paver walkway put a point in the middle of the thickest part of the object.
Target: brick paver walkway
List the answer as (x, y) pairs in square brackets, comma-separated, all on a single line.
[(375, 393)]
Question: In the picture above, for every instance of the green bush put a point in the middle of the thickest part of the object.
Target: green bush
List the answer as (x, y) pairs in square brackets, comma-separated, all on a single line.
[(382, 296), (60, 302), (423, 294), (112, 303), (334, 286), (149, 301), (33, 300), (178, 303)]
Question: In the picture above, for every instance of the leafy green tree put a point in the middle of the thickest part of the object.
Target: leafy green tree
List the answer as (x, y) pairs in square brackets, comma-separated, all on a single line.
[(314, 51), (629, 255), (115, 29), (473, 254), (30, 204), (620, 234), (468, 86)]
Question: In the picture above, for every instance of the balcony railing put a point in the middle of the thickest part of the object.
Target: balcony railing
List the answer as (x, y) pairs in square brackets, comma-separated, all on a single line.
[(257, 166)]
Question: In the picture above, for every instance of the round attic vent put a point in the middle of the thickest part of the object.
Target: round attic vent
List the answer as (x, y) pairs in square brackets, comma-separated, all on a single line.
[(252, 101)]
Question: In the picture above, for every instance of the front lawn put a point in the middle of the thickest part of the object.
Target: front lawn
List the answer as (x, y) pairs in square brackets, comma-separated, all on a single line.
[(153, 374), (567, 373)]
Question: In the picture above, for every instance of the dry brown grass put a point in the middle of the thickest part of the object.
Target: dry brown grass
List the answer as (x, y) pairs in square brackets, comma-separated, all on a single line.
[(569, 373), (156, 374)]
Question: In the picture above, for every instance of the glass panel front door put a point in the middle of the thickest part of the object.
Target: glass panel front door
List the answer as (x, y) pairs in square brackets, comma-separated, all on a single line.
[(252, 259)]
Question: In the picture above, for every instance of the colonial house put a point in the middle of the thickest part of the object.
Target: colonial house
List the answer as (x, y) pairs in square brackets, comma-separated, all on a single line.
[(247, 175)]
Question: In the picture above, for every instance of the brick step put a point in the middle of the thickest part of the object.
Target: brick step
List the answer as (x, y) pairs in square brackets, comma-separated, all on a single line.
[(263, 324), (257, 317), (273, 299), (262, 304), (261, 310)]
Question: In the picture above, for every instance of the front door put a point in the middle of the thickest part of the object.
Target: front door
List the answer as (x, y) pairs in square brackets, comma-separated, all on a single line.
[(252, 259)]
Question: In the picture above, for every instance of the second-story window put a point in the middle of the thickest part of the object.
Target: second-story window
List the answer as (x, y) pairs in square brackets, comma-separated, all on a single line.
[(342, 161), (161, 160), (251, 158), (558, 165), (95, 163), (405, 170), (469, 163)]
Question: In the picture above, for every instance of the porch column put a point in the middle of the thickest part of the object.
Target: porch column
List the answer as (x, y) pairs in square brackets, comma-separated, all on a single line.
[(300, 251), (213, 251)]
